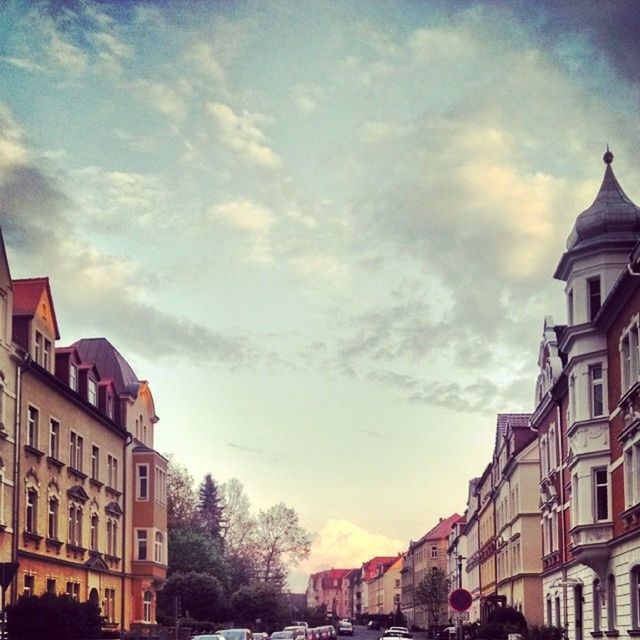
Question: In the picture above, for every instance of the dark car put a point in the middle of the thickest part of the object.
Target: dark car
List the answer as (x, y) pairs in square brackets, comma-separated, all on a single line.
[(345, 628), (373, 624)]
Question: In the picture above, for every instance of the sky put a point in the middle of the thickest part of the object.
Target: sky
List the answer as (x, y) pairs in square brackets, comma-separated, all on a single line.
[(324, 231)]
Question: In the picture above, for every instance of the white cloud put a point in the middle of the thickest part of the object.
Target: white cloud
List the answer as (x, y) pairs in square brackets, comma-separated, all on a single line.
[(252, 219), (203, 55), (307, 98), (240, 132), (342, 543), (12, 148), (162, 97), (23, 63), (67, 55), (317, 263)]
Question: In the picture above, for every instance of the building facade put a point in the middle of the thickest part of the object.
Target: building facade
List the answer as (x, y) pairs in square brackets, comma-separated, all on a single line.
[(88, 514)]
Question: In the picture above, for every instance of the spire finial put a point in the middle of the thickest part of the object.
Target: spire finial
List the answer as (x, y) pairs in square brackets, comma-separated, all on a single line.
[(608, 156)]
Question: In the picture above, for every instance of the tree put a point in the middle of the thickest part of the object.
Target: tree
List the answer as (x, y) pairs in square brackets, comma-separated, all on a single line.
[(210, 507), (55, 617), (181, 499), (192, 550), (260, 601), (280, 542), (199, 595), (433, 591), (238, 526)]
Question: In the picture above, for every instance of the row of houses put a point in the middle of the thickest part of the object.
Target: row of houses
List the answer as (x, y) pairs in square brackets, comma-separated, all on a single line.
[(552, 524), (82, 491), (385, 585)]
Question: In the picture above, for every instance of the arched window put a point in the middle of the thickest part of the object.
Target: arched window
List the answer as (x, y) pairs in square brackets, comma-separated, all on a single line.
[(597, 606), (635, 597), (31, 513), (94, 532), (611, 603), (52, 524), (146, 605)]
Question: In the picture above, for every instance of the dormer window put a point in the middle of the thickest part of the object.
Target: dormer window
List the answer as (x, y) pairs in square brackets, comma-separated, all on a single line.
[(92, 392), (46, 354), (595, 298), (110, 406), (38, 346), (73, 377)]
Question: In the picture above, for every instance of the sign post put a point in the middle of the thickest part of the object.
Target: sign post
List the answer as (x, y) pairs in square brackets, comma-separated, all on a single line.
[(460, 601), (7, 571)]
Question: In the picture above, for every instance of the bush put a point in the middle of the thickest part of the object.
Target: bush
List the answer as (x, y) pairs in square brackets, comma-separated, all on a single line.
[(543, 632), (55, 617), (492, 631)]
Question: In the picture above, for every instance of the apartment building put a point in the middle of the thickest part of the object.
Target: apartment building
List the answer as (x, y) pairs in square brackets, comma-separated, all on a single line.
[(330, 588), (88, 517), (384, 587), (422, 557)]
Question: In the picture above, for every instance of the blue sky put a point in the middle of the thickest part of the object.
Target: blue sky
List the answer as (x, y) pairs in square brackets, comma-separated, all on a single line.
[(324, 231)]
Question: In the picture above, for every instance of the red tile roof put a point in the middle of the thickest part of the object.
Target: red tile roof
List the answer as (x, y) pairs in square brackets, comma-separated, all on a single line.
[(441, 530), (27, 293), (371, 567)]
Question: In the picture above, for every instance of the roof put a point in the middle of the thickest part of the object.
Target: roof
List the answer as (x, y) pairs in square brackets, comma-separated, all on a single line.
[(441, 530), (27, 293), (109, 362), (371, 567), (611, 220), (513, 420)]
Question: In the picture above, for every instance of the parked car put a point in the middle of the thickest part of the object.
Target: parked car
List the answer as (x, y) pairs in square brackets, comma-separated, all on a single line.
[(301, 623), (327, 632), (282, 635), (313, 634), (396, 634), (373, 624), (345, 628), (398, 629), (235, 634), (260, 635), (297, 630), (208, 636)]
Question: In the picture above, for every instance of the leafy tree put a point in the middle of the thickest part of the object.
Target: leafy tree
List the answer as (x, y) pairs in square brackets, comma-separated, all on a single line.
[(260, 601), (193, 550), (280, 542), (433, 591), (55, 617), (199, 595), (210, 506), (181, 499), (238, 526)]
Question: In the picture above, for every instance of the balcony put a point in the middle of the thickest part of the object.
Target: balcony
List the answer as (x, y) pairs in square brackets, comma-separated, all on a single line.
[(590, 544)]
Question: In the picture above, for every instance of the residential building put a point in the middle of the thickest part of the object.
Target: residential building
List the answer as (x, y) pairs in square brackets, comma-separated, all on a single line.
[(89, 518), (369, 571), (329, 588), (472, 537), (384, 587), (422, 557), (487, 543), (516, 464)]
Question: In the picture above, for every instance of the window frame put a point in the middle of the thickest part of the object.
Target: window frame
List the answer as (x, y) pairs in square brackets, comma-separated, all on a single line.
[(33, 426), (600, 487), (142, 482)]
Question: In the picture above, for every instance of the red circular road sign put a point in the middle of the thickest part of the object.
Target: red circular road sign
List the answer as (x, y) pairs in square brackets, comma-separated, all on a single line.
[(460, 599)]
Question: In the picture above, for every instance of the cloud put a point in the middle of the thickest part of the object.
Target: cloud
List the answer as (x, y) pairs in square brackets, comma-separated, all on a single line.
[(307, 98), (202, 54), (67, 55), (241, 447), (23, 63), (102, 293), (240, 133), (162, 97), (342, 543), (252, 219)]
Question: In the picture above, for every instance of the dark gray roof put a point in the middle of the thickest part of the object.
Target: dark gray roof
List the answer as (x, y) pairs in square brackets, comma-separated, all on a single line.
[(612, 216), (109, 362)]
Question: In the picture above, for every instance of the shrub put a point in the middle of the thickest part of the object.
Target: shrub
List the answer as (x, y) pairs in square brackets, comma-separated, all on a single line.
[(55, 617), (543, 632)]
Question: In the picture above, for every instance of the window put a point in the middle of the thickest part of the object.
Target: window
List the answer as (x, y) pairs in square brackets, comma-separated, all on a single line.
[(54, 439), (158, 548), (94, 532), (52, 524), (570, 307), (146, 605), (572, 397), (142, 544), (110, 406), (593, 291), (112, 472), (635, 597), (73, 377), (597, 606), (597, 395), (574, 500), (32, 427), (37, 355), (549, 613), (95, 462), (161, 486), (553, 458), (73, 590), (601, 494), (51, 585), (434, 552), (629, 360), (612, 615), (46, 355), (29, 584), (110, 604), (75, 525), (31, 516), (76, 445), (142, 492), (92, 392), (558, 617), (112, 538)]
